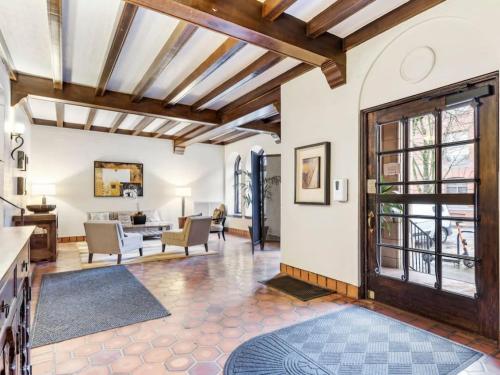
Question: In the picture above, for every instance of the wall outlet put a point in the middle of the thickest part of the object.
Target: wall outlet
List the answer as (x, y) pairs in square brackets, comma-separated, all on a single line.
[(371, 294)]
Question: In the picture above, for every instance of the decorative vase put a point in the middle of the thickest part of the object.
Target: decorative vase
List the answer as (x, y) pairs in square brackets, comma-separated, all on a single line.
[(139, 218)]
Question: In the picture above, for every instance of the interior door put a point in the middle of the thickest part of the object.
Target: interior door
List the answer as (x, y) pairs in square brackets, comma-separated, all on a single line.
[(431, 204)]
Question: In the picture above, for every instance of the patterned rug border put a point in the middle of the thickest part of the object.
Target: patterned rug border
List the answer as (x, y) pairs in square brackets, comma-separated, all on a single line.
[(58, 274), (456, 371)]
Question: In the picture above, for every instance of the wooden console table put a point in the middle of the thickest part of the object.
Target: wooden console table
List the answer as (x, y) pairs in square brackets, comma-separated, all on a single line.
[(44, 239), (15, 300)]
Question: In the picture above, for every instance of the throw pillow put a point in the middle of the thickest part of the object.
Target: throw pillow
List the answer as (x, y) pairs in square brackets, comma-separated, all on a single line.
[(99, 216)]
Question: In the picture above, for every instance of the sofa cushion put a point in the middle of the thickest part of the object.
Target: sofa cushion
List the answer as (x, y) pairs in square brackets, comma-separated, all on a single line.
[(99, 216), (124, 218), (152, 216)]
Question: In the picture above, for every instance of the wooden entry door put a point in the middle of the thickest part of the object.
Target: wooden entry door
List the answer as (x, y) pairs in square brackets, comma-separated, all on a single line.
[(430, 212)]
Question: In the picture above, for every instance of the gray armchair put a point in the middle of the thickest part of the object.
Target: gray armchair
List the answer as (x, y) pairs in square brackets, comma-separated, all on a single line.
[(195, 232), (107, 237)]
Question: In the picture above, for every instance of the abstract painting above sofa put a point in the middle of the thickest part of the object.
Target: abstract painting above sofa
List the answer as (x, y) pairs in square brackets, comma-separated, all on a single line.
[(114, 179)]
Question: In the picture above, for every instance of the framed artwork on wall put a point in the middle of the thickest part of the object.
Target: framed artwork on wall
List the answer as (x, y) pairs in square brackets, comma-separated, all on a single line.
[(312, 174), (117, 179)]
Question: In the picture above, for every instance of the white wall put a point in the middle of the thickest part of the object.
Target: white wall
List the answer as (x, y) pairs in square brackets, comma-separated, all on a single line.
[(243, 148), (66, 157), (10, 118), (464, 40)]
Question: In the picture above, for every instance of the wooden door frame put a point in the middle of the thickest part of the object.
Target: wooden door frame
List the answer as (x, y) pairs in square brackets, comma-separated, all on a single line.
[(362, 173)]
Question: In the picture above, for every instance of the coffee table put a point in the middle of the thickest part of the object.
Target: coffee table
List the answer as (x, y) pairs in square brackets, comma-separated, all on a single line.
[(152, 229)]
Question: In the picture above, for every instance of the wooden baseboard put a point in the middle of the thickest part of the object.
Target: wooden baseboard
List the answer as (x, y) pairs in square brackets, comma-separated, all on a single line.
[(70, 239), (338, 286), (238, 232)]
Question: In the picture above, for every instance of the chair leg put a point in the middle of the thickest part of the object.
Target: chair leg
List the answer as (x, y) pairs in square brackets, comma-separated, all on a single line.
[(90, 257), (223, 235), (119, 259), (186, 250), (163, 247), (140, 251), (218, 235), (206, 248)]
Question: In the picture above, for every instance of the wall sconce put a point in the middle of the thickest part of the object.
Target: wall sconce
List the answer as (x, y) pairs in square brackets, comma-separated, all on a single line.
[(17, 136)]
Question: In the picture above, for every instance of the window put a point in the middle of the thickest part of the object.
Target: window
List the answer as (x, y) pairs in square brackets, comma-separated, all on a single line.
[(426, 205), (237, 185)]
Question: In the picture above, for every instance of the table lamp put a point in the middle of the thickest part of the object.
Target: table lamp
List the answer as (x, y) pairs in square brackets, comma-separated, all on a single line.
[(183, 192), (43, 190)]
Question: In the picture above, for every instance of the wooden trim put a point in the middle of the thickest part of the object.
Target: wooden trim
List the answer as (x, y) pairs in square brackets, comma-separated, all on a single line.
[(54, 13), (343, 288), (117, 121), (90, 119), (272, 9), (120, 32), (267, 87), (71, 239), (42, 88), (238, 232), (256, 68), (217, 59), (263, 126), (221, 139), (177, 40), (244, 21), (6, 58), (333, 15), (388, 21)]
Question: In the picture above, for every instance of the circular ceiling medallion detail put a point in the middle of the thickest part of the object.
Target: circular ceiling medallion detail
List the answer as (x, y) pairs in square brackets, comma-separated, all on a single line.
[(418, 64)]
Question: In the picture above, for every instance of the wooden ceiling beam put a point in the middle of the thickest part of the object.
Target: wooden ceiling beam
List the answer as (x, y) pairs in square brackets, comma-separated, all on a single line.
[(100, 129), (167, 125), (237, 139), (333, 15), (243, 20), (114, 101), (54, 13), (272, 9), (25, 105), (122, 26), (393, 18), (6, 58), (226, 137), (227, 50), (263, 126), (270, 97), (142, 125), (268, 86), (259, 66), (117, 121), (90, 119), (177, 40), (60, 114)]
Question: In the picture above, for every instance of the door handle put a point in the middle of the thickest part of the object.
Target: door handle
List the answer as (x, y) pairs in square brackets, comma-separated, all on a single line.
[(371, 221)]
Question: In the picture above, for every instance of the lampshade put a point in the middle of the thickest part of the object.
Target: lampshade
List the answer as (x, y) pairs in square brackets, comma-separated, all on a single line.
[(43, 189), (183, 192)]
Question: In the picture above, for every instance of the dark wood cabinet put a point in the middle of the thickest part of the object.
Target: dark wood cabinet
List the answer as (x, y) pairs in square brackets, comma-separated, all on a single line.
[(15, 301), (43, 241)]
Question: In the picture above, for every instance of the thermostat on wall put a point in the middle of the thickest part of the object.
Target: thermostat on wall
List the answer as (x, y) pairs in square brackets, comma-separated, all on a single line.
[(340, 190)]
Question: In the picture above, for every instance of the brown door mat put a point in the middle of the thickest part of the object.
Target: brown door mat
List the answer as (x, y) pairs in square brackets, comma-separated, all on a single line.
[(297, 288)]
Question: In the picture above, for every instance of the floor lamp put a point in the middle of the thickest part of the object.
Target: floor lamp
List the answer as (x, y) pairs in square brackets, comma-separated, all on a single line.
[(183, 192)]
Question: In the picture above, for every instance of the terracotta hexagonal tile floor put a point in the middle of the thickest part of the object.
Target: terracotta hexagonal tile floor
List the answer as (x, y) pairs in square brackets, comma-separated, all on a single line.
[(217, 303)]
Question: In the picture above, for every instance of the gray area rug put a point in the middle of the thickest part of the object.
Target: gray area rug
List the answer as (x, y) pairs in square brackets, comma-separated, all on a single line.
[(79, 303), (353, 341)]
